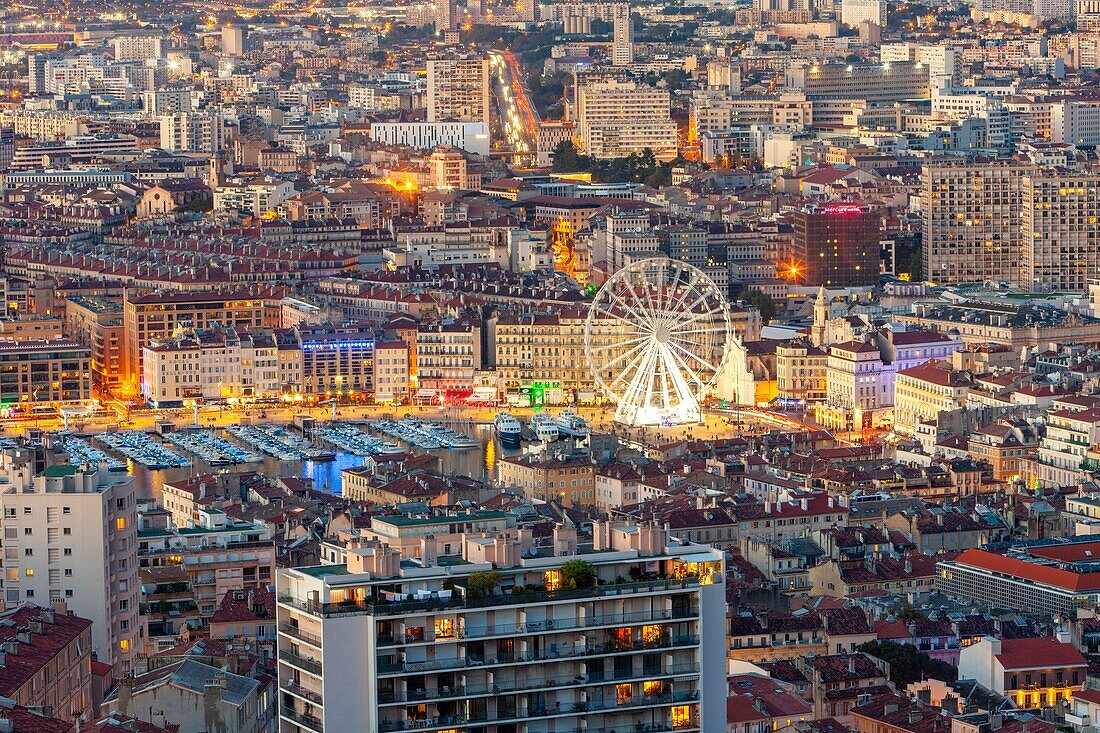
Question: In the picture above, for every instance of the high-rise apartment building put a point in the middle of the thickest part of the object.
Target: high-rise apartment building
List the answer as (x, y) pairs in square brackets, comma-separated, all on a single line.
[(458, 90), (971, 221), (835, 245), (387, 641), (188, 132), (138, 48), (854, 12), (617, 118), (445, 19), (1061, 239), (622, 46), (233, 40), (70, 535)]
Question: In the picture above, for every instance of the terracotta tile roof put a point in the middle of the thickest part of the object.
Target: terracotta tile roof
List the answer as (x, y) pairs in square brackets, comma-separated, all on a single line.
[(42, 649), (241, 605), (1031, 571), (1034, 653)]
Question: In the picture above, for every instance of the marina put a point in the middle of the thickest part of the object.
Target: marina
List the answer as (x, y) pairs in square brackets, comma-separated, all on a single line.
[(213, 449), (425, 435), (351, 439), (142, 449), (81, 451), (279, 442)]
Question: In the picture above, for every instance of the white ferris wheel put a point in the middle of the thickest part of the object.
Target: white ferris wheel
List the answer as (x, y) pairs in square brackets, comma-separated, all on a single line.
[(657, 337)]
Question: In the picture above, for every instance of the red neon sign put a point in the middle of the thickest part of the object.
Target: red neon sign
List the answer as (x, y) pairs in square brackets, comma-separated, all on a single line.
[(842, 209)]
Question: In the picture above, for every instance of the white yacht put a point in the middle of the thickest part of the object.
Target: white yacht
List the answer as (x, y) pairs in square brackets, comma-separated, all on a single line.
[(508, 429), (545, 427)]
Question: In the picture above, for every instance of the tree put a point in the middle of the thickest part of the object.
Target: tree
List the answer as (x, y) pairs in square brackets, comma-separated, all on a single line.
[(908, 664), (568, 160), (482, 583), (763, 303), (578, 574)]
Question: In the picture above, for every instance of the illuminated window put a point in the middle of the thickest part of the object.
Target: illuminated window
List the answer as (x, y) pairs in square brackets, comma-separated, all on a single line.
[(681, 716), (30, 572), (652, 687), (120, 523), (444, 628), (124, 645), (651, 634), (622, 693), (552, 579), (621, 638)]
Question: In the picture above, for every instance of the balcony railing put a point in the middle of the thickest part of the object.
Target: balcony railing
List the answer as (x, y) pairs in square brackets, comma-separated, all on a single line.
[(296, 633), (590, 651), (532, 683), (303, 719), (309, 665), (524, 598), (311, 695), (443, 721)]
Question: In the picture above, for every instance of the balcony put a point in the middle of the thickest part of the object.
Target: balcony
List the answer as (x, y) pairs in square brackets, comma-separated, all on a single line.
[(586, 708), (525, 598), (299, 691), (303, 719), (532, 683), (310, 665), (296, 633), (387, 668)]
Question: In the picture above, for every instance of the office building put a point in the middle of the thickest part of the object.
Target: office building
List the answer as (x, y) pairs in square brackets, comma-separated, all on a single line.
[(1053, 577), (972, 214), (336, 362), (834, 245), (55, 371), (622, 45), (7, 147), (233, 40), (550, 136), (158, 316), (458, 90), (617, 118), (888, 82), (384, 641), (70, 536)]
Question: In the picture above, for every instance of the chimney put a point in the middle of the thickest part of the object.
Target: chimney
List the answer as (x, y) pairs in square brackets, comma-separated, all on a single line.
[(996, 721), (915, 714), (125, 693), (36, 627), (7, 725), (852, 665), (23, 636)]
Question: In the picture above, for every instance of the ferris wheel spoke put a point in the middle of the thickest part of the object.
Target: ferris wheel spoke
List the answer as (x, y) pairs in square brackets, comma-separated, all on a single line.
[(683, 389), (619, 343), (622, 304), (691, 309), (694, 356), (625, 355), (697, 317), (639, 377), (636, 356)]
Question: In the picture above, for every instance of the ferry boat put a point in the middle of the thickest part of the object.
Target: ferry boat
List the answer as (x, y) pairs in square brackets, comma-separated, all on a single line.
[(508, 429), (545, 427), (571, 424)]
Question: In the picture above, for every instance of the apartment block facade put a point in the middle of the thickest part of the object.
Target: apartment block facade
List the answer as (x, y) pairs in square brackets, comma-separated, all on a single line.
[(389, 643)]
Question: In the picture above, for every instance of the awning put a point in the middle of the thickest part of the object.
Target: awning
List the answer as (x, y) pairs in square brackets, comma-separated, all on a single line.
[(484, 392), (425, 394)]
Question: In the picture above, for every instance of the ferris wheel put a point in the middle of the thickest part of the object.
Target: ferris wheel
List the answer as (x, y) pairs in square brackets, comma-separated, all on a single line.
[(657, 336)]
